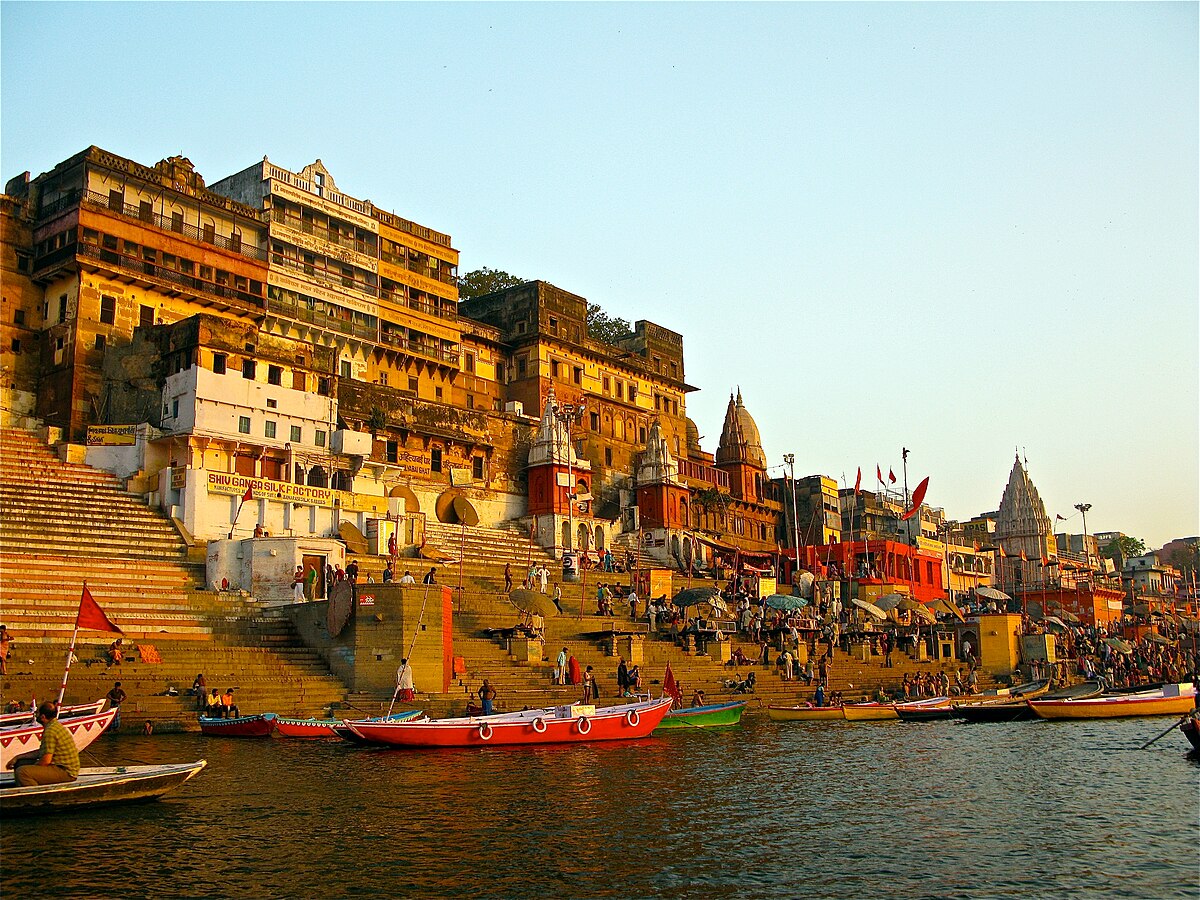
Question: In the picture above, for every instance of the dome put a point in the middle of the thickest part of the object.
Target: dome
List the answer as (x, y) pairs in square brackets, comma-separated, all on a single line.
[(740, 441), (693, 436)]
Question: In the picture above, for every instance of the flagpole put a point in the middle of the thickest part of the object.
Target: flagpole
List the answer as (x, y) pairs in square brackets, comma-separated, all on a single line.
[(62, 688), (237, 515)]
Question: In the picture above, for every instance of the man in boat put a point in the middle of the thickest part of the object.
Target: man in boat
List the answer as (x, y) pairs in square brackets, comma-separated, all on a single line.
[(404, 682), (58, 762), (228, 708), (115, 698), (697, 698), (214, 707)]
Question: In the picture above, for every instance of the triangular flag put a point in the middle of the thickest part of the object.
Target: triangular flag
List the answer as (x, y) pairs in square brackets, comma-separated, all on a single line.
[(92, 616), (858, 482), (878, 473), (249, 495), (891, 476), (671, 687), (917, 498)]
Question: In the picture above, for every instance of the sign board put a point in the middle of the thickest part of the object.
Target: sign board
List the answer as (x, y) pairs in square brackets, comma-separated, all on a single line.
[(111, 435), (286, 492), (366, 599), (460, 476), (178, 479)]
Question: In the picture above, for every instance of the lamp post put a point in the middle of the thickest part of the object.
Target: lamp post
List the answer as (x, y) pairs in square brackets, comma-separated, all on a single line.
[(1087, 556), (790, 459), (567, 414)]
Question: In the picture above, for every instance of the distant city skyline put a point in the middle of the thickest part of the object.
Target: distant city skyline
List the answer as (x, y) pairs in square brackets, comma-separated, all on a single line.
[(966, 229)]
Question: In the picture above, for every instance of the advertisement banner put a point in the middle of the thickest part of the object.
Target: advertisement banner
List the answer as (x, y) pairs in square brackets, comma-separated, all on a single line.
[(286, 492)]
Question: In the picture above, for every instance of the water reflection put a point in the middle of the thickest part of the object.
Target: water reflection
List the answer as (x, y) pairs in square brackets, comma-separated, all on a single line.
[(803, 809)]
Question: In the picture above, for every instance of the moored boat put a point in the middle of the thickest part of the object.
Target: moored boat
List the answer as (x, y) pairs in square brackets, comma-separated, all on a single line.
[(711, 715), (243, 726), (1191, 730), (95, 787), (805, 713), (26, 716), (1013, 708), (869, 712), (15, 742), (327, 728), (928, 710), (563, 724), (1170, 700)]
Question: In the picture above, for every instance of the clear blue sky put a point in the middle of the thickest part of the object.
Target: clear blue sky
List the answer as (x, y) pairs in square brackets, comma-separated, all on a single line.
[(959, 228)]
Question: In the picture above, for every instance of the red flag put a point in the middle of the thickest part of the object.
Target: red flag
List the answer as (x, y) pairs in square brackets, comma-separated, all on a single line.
[(917, 497), (878, 473), (249, 495), (1045, 560), (858, 482), (92, 616), (891, 476), (671, 687), (1059, 519)]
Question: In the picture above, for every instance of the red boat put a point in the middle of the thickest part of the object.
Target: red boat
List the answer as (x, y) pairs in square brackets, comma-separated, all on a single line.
[(327, 728), (553, 725), (83, 729), (242, 726)]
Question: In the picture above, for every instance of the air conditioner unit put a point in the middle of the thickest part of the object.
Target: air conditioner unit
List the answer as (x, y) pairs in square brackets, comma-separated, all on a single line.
[(516, 407)]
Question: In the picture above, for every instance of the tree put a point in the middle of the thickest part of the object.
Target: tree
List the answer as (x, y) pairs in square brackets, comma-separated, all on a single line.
[(605, 328), (485, 281), (1123, 548)]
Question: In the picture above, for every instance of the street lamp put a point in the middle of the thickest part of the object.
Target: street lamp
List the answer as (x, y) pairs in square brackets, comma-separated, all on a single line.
[(1087, 556), (790, 459), (567, 414)]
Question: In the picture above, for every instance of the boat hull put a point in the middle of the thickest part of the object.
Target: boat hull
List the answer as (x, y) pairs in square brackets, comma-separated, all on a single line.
[(924, 713), (95, 787), (243, 726), (1191, 731), (1006, 711), (870, 712), (534, 726), (15, 742), (805, 713), (712, 715), (1117, 706), (315, 729)]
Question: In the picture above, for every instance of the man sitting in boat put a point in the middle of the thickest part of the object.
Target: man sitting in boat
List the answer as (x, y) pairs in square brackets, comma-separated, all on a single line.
[(214, 707), (228, 708), (58, 762)]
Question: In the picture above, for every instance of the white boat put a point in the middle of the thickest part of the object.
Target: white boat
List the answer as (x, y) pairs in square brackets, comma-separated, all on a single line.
[(15, 742), (26, 716), (95, 787)]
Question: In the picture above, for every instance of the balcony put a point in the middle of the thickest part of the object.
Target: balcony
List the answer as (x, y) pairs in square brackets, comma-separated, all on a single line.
[(94, 200), (163, 278)]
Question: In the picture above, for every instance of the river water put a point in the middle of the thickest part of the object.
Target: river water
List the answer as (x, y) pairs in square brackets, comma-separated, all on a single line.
[(846, 810)]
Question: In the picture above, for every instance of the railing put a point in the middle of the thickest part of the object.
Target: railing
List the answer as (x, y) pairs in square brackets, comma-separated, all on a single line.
[(52, 209), (434, 273), (142, 268), (100, 201), (54, 257), (324, 276), (296, 223)]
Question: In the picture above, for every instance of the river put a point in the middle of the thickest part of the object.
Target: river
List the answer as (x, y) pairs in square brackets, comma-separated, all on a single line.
[(846, 810)]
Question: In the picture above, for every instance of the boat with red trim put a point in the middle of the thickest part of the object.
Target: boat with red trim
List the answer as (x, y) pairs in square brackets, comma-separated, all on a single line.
[(328, 728), (27, 716), (243, 726), (577, 723), (16, 742)]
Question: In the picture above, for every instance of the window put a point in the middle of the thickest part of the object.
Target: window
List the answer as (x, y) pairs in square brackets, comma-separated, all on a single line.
[(219, 363), (100, 342), (577, 375), (145, 211), (248, 369), (594, 421), (412, 384), (145, 315), (346, 369), (177, 221), (437, 393), (175, 408), (209, 233), (108, 310), (274, 375), (435, 459), (116, 200), (391, 450), (469, 362), (554, 368), (18, 317), (521, 367), (477, 468), (620, 390), (554, 324), (319, 438), (272, 404), (269, 429), (295, 434), (604, 381), (608, 456), (16, 345), (383, 378), (642, 435), (323, 387), (470, 401), (244, 424), (299, 382)]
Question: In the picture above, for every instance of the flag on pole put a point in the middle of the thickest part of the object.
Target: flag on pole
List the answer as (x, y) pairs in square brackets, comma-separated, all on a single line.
[(858, 482), (249, 495), (671, 687), (917, 497), (878, 473), (891, 476), (1059, 518), (92, 616)]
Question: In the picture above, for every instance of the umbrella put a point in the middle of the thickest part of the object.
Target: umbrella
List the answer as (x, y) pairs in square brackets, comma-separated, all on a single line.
[(991, 593), (1055, 623), (924, 613), (889, 601), (943, 605), (533, 602), (1069, 616), (1157, 638), (785, 602), (1118, 645), (1140, 610), (692, 596), (908, 604), (869, 607), (717, 602)]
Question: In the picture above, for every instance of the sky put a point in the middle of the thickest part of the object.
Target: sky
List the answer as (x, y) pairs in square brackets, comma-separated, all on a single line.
[(968, 230)]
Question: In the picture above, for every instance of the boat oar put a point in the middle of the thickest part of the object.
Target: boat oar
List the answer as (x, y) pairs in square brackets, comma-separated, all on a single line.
[(1170, 728)]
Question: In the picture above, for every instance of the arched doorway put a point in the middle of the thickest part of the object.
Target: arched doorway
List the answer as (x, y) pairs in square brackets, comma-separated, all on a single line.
[(599, 538), (317, 477), (584, 534), (675, 546), (566, 536)]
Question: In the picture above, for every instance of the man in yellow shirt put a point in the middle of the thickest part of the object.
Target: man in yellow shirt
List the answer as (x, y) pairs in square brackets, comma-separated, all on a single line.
[(59, 760)]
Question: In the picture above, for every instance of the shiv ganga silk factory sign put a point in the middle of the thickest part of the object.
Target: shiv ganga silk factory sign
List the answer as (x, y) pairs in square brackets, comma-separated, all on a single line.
[(285, 492)]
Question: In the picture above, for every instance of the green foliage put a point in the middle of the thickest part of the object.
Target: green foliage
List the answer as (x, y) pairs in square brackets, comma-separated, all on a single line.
[(605, 328), (1123, 548), (376, 420), (710, 499), (485, 281), (1185, 559)]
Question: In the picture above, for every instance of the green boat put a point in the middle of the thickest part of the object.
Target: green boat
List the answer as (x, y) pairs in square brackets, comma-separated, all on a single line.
[(712, 715)]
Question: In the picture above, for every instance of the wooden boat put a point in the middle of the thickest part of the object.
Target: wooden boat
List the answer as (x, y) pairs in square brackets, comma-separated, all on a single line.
[(1171, 700), (243, 726), (1191, 731), (26, 716), (15, 742), (562, 724), (928, 710), (327, 728), (711, 715), (94, 787), (869, 712), (805, 713), (1007, 709)]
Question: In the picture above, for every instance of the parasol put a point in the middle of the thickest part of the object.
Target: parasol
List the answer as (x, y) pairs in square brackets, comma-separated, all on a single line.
[(889, 601), (1157, 638), (785, 602), (1118, 645), (869, 607), (1140, 610), (1055, 623), (908, 604), (692, 596), (533, 602), (991, 593), (924, 613), (941, 604)]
